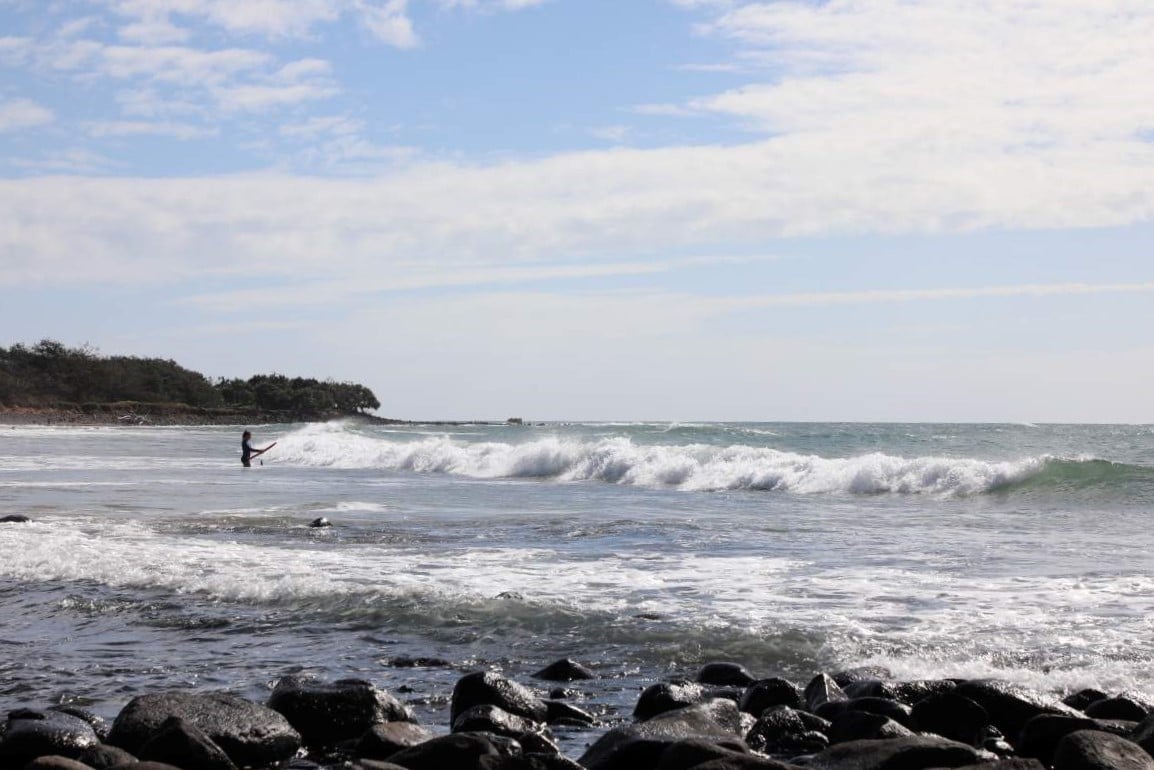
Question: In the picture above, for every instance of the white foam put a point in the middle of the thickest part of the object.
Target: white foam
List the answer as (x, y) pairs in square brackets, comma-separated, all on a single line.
[(618, 460)]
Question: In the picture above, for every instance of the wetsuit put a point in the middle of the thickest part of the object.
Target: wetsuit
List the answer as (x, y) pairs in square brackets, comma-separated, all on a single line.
[(245, 453)]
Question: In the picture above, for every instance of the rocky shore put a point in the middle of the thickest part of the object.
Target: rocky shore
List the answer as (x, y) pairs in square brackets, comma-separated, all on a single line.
[(179, 414), (724, 718)]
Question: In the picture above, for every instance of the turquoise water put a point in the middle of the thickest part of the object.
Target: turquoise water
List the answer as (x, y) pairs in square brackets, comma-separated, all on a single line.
[(643, 550)]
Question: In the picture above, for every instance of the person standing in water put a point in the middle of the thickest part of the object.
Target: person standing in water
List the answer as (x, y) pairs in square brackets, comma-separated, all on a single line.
[(247, 452)]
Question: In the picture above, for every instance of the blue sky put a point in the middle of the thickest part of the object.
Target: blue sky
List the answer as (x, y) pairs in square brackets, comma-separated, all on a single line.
[(583, 209)]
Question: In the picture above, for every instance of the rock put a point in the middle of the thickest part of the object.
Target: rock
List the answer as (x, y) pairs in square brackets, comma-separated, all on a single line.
[(1083, 698), (249, 733), (560, 713), (97, 723), (320, 523), (869, 688), (766, 693), (565, 670), (151, 766), (104, 757), (1040, 736), (1095, 750), (667, 696), (1007, 764), (494, 719), (865, 725), (641, 745), (694, 751), (951, 716), (31, 733), (725, 675), (862, 674), (783, 732), (485, 688), (913, 753), (185, 745), (327, 713), (898, 712), (15, 518), (381, 741), (744, 763), (373, 764), (1117, 708), (404, 661), (52, 762), (458, 750), (910, 693), (823, 689), (1143, 734), (1009, 706)]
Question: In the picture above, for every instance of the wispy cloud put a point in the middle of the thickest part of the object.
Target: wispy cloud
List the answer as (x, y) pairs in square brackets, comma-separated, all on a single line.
[(20, 114), (927, 295)]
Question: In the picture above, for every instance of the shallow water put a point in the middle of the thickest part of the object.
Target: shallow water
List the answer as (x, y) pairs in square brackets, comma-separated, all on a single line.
[(643, 550)]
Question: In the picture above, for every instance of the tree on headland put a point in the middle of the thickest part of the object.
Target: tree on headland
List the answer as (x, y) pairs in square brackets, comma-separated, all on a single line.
[(49, 374)]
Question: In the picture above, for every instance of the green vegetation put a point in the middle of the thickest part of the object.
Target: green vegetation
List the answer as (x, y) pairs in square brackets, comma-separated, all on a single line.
[(51, 375)]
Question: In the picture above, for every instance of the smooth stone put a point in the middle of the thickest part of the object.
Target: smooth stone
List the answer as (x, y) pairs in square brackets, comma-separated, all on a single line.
[(560, 713), (15, 518), (53, 762), (767, 693), (886, 707), (181, 743), (1118, 708), (104, 757), (862, 674), (784, 732), (914, 753), (32, 733), (565, 670), (865, 725), (1014, 763), (494, 719), (823, 689), (381, 741), (249, 733), (1009, 706), (1095, 750), (327, 713), (725, 674), (484, 688), (1083, 698), (641, 745), (951, 716), (910, 693), (1042, 734), (667, 696), (457, 750)]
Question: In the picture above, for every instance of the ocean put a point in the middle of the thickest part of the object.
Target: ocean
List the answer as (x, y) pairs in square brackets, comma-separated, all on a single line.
[(154, 561)]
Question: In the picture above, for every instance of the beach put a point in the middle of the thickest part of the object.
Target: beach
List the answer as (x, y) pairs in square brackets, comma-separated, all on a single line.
[(153, 561)]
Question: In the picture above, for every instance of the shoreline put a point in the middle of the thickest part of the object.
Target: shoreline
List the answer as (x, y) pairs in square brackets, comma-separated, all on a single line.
[(175, 415)]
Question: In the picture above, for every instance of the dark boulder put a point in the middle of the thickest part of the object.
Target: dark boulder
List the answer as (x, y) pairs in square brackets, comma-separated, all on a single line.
[(1083, 698), (914, 753), (458, 750), (1040, 736), (484, 688), (495, 720), (320, 523), (766, 693), (1120, 707), (869, 688), (784, 732), (15, 518), (886, 707), (1143, 734), (249, 733), (32, 733), (693, 754), (1009, 706), (104, 757), (327, 713), (862, 674), (863, 726), (951, 716), (725, 675), (910, 693), (383, 740), (181, 743), (52, 762), (565, 670), (667, 696), (1095, 750), (561, 713), (823, 689), (1013, 763), (641, 745)]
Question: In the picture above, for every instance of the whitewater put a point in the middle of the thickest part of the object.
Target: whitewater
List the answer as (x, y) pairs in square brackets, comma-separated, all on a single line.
[(643, 550)]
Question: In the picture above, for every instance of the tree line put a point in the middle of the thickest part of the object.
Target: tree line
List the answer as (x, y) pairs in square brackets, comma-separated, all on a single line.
[(49, 374)]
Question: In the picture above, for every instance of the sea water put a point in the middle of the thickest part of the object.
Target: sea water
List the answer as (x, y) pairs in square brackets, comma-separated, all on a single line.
[(154, 561)]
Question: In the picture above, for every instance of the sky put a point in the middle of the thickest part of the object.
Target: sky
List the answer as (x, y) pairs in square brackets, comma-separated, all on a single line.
[(860, 210)]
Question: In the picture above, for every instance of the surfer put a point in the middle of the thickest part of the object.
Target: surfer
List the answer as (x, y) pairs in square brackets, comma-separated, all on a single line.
[(247, 452)]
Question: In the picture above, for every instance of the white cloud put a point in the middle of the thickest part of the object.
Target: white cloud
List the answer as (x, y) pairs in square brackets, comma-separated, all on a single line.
[(183, 131), (21, 114), (389, 23)]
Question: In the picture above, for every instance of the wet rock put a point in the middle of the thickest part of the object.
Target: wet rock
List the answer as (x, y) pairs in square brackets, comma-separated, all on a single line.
[(14, 519), (457, 750), (823, 689), (725, 675), (913, 753), (565, 670), (784, 732), (1015, 763), (31, 733), (1040, 736), (249, 733), (1120, 707), (381, 741), (1083, 698), (667, 696), (910, 693), (320, 523), (104, 757), (864, 725), (951, 716), (641, 745), (1143, 734), (1094, 750), (560, 713), (767, 693), (898, 712), (327, 713), (869, 688), (494, 719), (183, 744), (485, 688), (56, 763), (404, 661), (862, 674), (1009, 706)]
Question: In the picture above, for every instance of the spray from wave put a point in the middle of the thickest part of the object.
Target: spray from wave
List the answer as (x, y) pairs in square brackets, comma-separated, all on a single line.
[(689, 467)]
